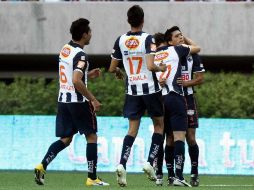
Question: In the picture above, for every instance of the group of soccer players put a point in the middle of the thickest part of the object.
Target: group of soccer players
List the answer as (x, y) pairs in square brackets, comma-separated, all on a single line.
[(159, 79)]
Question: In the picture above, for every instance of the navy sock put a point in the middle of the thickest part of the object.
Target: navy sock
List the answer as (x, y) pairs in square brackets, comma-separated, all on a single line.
[(179, 159), (53, 150), (157, 140), (160, 160), (91, 155), (126, 150), (194, 153), (169, 158)]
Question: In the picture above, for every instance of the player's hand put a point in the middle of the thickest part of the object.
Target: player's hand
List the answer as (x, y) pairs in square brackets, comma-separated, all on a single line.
[(94, 73), (96, 105), (119, 74), (162, 67), (162, 81)]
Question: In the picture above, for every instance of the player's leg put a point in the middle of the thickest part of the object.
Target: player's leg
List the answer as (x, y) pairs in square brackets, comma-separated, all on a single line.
[(85, 122), (194, 154), (53, 150), (191, 138), (159, 165), (133, 110), (64, 130), (154, 106), (178, 121), (169, 157), (126, 149)]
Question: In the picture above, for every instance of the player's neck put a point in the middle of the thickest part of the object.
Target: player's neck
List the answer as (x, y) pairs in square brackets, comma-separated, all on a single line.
[(136, 29), (81, 43), (162, 44)]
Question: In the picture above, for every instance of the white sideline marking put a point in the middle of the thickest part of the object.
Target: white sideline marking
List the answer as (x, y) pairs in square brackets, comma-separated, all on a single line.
[(221, 185)]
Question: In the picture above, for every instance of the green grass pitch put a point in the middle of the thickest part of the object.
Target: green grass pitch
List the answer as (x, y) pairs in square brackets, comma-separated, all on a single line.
[(24, 180)]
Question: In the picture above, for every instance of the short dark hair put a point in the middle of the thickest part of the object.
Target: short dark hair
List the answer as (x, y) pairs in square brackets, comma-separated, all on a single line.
[(79, 27), (135, 16), (159, 38), (168, 33)]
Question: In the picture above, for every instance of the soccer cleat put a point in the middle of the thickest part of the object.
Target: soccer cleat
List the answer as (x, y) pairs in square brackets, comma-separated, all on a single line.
[(178, 182), (96, 182), (170, 181), (121, 175), (194, 180), (39, 173), (149, 170), (159, 180)]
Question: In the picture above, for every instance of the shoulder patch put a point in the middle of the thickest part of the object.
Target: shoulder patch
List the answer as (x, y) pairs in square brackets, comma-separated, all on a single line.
[(81, 64), (83, 58)]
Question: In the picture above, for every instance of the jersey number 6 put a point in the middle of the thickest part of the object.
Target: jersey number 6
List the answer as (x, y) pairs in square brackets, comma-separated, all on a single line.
[(63, 77)]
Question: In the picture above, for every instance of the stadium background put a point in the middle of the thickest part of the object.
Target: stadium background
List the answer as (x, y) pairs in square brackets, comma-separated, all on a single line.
[(32, 33)]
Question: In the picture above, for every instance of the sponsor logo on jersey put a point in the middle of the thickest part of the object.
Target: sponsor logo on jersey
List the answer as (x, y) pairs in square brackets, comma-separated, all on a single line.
[(132, 43), (125, 52), (161, 56), (65, 51)]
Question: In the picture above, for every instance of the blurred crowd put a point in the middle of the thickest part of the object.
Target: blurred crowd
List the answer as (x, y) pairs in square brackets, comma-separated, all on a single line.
[(140, 0)]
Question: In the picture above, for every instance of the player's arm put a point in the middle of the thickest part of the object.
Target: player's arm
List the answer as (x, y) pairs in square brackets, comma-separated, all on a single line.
[(94, 73), (194, 48), (198, 79), (149, 57), (116, 57), (81, 87), (115, 69), (151, 66)]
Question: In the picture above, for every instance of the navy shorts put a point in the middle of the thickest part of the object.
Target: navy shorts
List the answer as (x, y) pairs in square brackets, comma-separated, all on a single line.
[(192, 111), (135, 106), (75, 117), (175, 117)]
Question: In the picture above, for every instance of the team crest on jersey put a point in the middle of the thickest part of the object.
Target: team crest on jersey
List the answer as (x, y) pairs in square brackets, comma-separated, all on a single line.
[(132, 43), (161, 56), (66, 52)]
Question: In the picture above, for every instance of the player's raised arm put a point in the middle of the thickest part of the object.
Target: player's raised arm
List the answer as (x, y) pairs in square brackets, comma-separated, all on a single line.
[(194, 48)]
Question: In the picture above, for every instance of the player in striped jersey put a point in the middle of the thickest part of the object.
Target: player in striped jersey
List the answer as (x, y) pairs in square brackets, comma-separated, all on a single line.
[(76, 104), (192, 75), (175, 118), (136, 49)]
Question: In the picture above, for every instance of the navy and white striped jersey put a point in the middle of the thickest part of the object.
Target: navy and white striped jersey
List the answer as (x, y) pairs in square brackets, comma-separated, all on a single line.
[(171, 56), (132, 48), (191, 64), (69, 56)]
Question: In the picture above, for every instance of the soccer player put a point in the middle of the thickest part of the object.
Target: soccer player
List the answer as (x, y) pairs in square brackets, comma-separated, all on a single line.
[(175, 117), (192, 75), (76, 104), (136, 49)]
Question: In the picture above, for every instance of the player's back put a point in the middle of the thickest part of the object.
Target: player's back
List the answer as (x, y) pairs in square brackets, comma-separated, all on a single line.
[(68, 58), (134, 47), (171, 56)]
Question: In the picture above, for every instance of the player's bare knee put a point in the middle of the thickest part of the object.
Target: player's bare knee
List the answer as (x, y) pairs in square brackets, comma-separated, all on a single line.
[(158, 124), (67, 140), (91, 138), (191, 141)]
